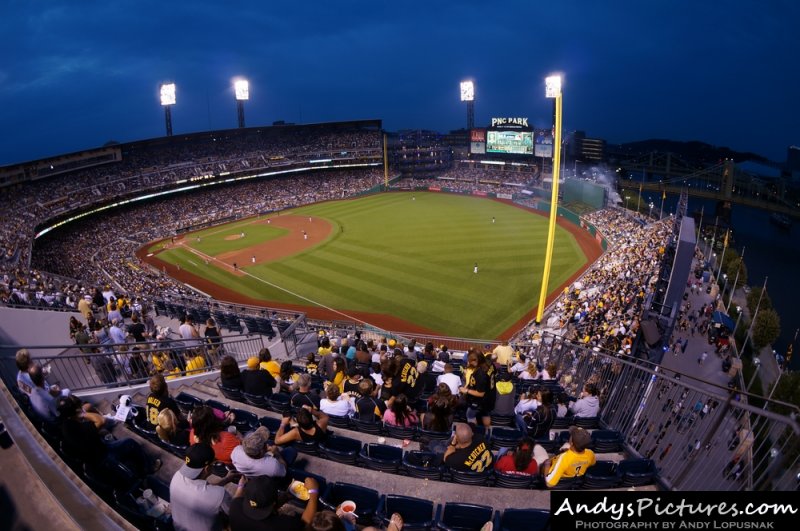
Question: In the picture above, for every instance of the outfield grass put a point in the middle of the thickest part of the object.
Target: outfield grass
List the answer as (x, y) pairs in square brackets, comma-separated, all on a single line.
[(413, 259)]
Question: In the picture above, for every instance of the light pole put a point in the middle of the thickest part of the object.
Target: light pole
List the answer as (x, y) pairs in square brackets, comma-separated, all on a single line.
[(241, 89), (736, 280), (552, 90), (757, 363), (468, 95), (167, 93), (724, 286)]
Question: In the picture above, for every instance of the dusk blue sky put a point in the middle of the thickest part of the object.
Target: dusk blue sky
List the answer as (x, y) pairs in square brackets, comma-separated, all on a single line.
[(74, 75)]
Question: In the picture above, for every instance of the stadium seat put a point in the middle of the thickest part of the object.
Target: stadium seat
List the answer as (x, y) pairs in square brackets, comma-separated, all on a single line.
[(175, 449), (524, 520), (340, 449), (338, 421), (423, 465), (279, 403), (230, 393), (366, 500), (187, 402), (216, 404), (382, 457), (245, 420), (560, 423), (568, 483), (125, 505), (418, 514), (256, 400), (400, 432), (505, 421), (602, 475), (463, 516), (505, 438), (606, 441), (468, 477), (512, 481), (271, 423), (374, 427), (588, 423), (300, 475), (636, 472)]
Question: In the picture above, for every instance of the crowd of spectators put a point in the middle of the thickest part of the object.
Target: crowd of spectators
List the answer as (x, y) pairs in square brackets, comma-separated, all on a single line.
[(145, 167), (468, 186)]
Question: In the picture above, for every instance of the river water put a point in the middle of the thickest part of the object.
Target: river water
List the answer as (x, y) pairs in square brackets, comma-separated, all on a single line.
[(770, 252)]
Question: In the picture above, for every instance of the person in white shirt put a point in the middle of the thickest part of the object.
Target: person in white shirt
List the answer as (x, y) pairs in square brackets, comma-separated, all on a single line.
[(452, 381), (519, 366), (336, 403)]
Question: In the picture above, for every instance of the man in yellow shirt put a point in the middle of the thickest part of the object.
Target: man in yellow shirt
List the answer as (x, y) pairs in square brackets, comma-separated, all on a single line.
[(573, 462), (503, 353)]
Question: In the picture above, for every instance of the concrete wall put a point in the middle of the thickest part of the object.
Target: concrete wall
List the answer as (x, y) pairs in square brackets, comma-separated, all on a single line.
[(34, 328)]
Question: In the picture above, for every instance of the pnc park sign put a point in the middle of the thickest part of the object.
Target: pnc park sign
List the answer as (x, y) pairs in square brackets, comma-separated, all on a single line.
[(509, 121)]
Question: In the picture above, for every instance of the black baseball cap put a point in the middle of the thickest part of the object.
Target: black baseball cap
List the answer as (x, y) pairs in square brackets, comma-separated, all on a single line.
[(260, 494), (198, 456)]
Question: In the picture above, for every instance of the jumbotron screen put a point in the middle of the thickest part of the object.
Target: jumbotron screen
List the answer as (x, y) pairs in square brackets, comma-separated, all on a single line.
[(509, 142)]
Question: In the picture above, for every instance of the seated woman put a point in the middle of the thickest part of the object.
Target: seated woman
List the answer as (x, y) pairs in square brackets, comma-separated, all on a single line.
[(336, 403), (524, 460), (207, 427), (287, 378), (400, 414), (531, 372), (169, 429), (441, 408), (339, 373), (537, 423), (307, 429), (229, 374)]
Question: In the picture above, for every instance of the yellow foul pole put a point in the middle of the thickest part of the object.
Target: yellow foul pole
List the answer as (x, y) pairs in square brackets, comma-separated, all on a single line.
[(551, 230), (385, 166)]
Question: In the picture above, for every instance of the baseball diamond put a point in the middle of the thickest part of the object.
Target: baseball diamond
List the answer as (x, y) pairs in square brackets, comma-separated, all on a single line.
[(395, 260)]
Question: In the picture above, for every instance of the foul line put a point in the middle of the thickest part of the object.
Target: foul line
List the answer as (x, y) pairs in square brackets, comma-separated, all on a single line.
[(209, 259)]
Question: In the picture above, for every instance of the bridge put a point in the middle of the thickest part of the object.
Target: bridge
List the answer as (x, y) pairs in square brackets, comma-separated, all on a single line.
[(666, 172)]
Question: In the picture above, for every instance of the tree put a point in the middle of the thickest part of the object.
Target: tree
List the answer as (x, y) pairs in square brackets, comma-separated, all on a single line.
[(788, 391), (730, 266), (752, 300), (767, 327)]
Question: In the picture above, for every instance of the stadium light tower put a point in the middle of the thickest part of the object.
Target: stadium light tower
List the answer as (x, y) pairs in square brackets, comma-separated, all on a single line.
[(552, 90), (468, 95), (167, 92), (241, 89)]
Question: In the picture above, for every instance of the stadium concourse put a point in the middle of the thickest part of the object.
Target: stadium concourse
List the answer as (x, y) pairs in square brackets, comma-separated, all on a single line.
[(571, 385)]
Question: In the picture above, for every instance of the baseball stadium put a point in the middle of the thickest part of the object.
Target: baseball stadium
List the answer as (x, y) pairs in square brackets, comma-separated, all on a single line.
[(511, 335)]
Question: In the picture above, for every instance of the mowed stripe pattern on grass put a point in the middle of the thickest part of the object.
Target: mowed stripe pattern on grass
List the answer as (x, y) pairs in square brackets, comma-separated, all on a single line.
[(414, 258)]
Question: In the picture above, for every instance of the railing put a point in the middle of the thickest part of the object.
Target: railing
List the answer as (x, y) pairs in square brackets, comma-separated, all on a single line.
[(701, 436), (94, 367)]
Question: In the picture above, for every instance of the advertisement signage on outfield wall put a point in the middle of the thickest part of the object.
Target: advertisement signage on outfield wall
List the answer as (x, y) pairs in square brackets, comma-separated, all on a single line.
[(505, 196), (477, 141)]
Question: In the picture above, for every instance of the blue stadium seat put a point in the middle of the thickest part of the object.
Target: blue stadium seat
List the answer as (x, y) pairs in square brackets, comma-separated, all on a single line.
[(463, 516), (216, 404), (606, 441), (512, 481), (245, 421), (524, 520), (468, 477), (400, 432), (230, 393), (423, 465), (279, 403), (256, 400), (418, 514), (381, 457), (588, 423), (505, 438), (338, 421), (366, 500), (340, 449), (602, 475), (374, 427), (271, 423), (636, 472), (187, 402)]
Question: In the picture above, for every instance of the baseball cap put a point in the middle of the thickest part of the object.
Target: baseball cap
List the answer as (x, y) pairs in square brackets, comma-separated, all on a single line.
[(198, 456), (392, 342), (580, 438), (254, 442), (260, 494), (252, 363)]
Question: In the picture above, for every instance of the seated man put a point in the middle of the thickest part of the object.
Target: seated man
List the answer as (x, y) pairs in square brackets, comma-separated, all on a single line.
[(42, 401), (369, 407), (195, 501), (573, 462), (468, 451), (588, 405), (256, 506), (256, 457), (256, 381), (304, 396)]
